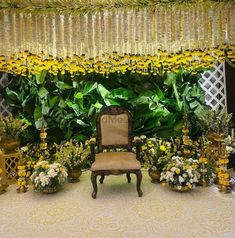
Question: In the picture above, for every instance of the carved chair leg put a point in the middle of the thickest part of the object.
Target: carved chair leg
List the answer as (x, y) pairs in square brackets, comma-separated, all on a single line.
[(138, 182), (94, 183), (128, 177), (102, 179)]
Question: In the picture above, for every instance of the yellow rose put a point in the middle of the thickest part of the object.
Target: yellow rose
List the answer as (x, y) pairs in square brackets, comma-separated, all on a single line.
[(1, 170), (28, 174), (226, 175), (177, 171), (190, 186), (143, 147), (163, 147)]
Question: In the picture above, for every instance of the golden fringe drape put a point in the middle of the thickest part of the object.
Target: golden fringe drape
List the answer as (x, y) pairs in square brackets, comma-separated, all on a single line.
[(125, 31)]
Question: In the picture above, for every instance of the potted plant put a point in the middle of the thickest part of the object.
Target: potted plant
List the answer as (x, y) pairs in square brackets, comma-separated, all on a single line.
[(155, 153), (180, 174), (48, 178), (216, 124), (10, 130), (73, 157)]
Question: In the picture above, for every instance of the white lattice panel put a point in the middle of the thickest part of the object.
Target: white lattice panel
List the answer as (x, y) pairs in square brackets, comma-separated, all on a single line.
[(214, 84), (4, 108)]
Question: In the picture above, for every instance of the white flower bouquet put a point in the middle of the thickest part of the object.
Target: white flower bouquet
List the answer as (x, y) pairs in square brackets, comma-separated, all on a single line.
[(48, 178), (180, 173)]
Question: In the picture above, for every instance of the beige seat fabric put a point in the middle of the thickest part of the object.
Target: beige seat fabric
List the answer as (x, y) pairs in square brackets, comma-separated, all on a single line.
[(115, 161), (114, 129)]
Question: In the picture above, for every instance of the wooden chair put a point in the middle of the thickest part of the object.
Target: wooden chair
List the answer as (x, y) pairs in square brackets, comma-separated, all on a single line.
[(114, 126)]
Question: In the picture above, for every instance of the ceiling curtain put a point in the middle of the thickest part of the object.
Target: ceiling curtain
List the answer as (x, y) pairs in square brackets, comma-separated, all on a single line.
[(174, 28)]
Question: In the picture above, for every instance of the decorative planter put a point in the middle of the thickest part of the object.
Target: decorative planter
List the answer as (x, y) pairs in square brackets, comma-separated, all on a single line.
[(74, 175), (203, 183), (11, 144), (215, 137), (154, 175), (180, 190), (49, 190)]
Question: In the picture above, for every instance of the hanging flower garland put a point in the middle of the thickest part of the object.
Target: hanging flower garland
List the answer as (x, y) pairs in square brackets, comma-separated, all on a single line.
[(26, 63)]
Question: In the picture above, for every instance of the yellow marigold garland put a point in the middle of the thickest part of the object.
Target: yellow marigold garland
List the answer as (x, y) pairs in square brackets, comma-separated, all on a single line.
[(25, 63)]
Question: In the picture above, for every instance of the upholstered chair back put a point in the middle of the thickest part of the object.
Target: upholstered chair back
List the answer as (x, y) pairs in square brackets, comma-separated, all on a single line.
[(114, 128)]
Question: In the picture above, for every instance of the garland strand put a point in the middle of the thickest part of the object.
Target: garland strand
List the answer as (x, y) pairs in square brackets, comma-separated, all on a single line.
[(26, 63)]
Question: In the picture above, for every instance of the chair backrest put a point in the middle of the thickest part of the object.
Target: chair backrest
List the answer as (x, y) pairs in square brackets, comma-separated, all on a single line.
[(114, 126)]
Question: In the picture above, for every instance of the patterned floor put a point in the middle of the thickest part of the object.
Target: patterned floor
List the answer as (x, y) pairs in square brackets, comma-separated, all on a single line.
[(117, 212)]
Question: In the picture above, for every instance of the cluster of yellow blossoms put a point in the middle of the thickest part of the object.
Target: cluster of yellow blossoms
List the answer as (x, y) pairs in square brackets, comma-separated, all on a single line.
[(22, 175), (223, 178), (26, 63), (202, 160)]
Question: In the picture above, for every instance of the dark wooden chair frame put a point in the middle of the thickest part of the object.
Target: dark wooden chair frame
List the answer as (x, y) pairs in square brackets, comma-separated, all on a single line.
[(114, 110)]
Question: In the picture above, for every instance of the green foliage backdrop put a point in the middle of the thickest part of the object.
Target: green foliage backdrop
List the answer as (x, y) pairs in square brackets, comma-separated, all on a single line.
[(68, 106)]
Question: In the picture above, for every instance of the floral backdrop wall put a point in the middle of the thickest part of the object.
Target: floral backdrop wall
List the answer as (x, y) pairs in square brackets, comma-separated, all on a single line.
[(67, 59)]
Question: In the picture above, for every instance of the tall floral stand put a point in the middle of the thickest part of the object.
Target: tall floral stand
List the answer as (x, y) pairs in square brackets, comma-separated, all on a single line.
[(219, 159), (3, 181), (223, 175), (22, 185)]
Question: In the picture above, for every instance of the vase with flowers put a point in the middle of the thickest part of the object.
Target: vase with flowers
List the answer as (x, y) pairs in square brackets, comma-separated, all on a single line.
[(48, 178), (155, 153), (10, 131), (73, 156), (180, 174)]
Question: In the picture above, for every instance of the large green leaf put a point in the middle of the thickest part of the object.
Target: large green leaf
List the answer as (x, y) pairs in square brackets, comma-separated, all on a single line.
[(42, 93), (78, 95), (122, 93), (103, 91), (40, 78), (12, 96), (63, 86), (53, 101), (89, 87)]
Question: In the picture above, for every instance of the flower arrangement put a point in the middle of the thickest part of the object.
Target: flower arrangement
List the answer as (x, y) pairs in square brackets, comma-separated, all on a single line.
[(180, 173), (47, 177), (216, 122), (11, 127), (72, 155), (229, 142), (32, 154), (155, 152)]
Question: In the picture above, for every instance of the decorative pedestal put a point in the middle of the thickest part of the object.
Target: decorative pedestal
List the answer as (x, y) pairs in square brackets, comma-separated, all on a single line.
[(8, 164)]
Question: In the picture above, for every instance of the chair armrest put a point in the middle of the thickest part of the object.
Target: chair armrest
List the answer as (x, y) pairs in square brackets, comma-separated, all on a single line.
[(92, 148), (137, 144)]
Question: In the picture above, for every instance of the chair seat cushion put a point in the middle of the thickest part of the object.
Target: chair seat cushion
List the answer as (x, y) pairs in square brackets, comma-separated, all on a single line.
[(115, 161)]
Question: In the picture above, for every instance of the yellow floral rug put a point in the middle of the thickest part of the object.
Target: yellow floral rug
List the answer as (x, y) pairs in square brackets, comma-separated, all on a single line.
[(117, 212)]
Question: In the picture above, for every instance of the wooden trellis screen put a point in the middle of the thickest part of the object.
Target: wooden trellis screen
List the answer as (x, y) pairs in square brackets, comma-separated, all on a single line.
[(213, 82), (4, 108)]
